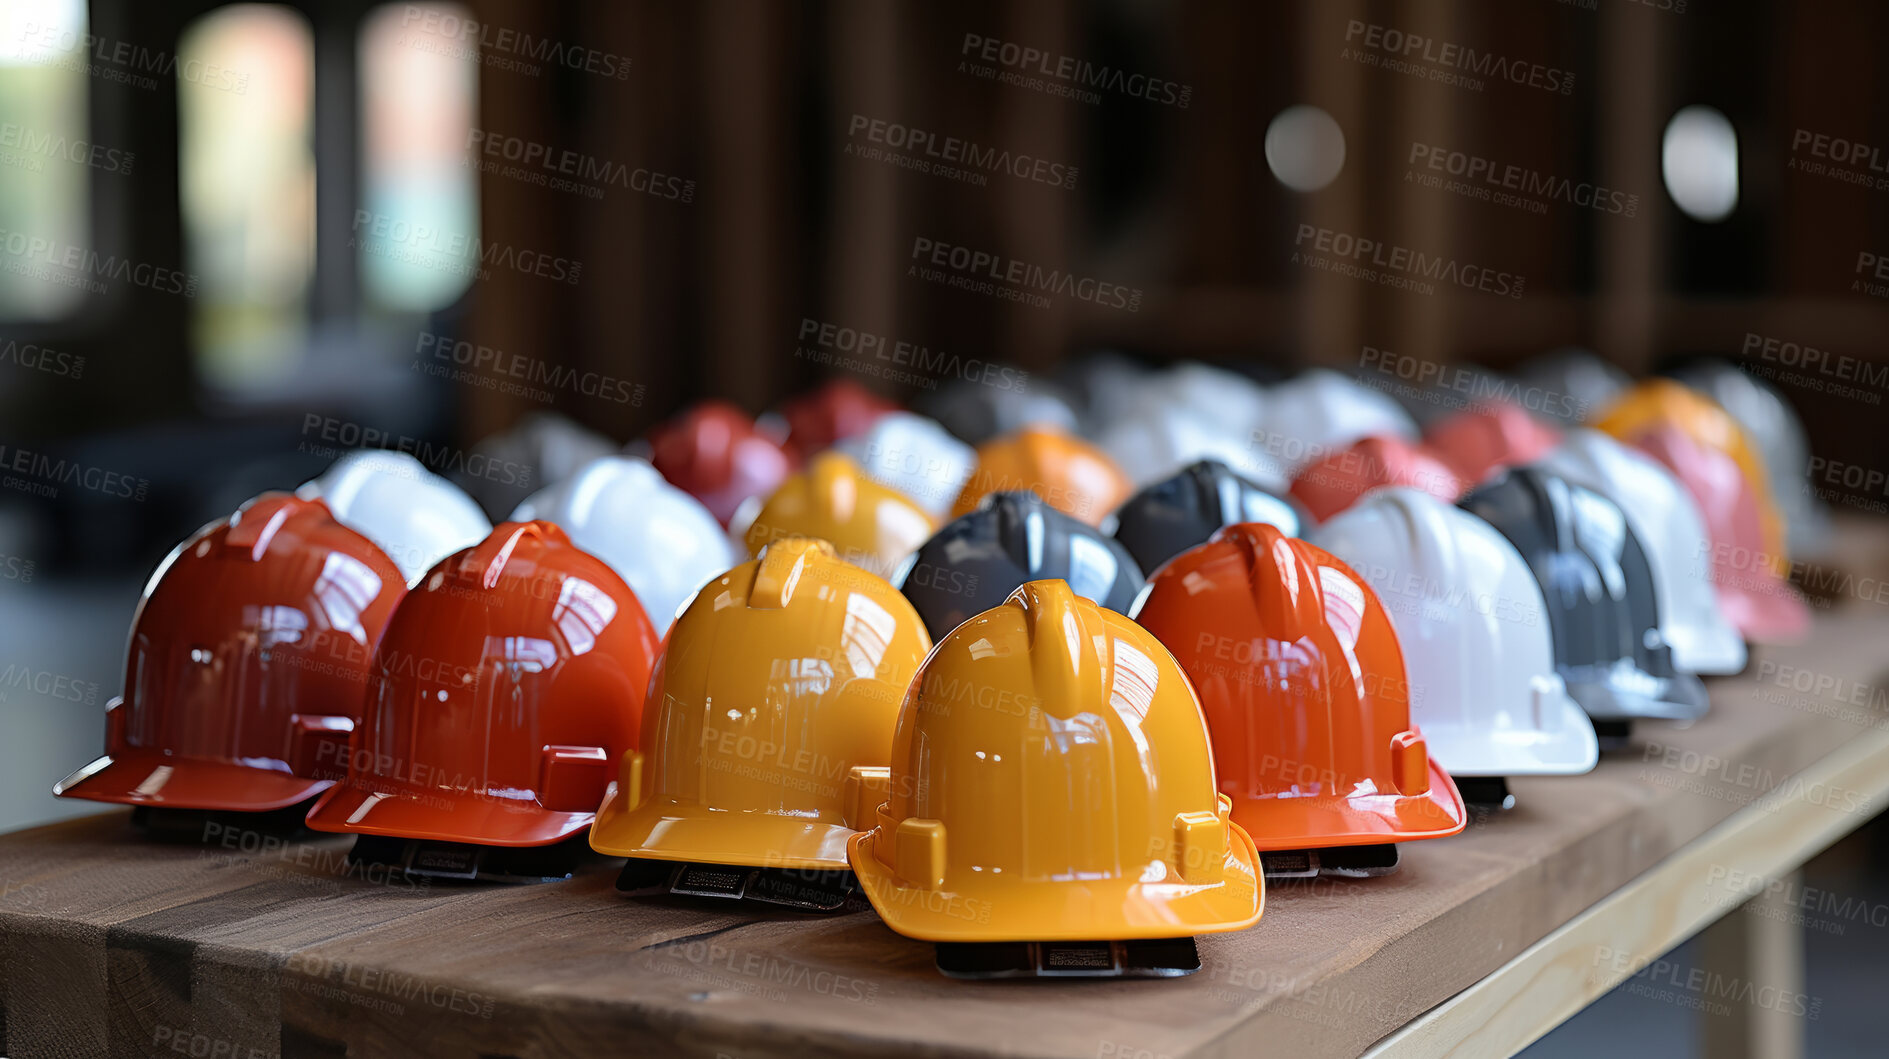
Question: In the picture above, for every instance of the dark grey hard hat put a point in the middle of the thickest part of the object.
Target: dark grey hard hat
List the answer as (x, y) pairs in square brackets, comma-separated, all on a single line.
[(1184, 509), (1603, 606), (977, 560)]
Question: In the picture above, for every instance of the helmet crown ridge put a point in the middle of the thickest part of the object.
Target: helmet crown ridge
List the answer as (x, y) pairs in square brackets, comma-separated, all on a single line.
[(1066, 641), (781, 565), (489, 557)]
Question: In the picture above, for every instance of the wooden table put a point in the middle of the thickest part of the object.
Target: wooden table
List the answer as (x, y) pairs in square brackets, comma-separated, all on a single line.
[(111, 944)]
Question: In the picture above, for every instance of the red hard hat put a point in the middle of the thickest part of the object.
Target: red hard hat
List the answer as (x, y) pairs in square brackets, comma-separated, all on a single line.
[(508, 686), (835, 410), (1751, 595), (248, 664), (1336, 482), (1482, 439), (714, 453)]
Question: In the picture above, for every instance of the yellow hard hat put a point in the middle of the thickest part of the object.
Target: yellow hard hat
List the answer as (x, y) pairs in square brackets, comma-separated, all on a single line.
[(869, 524), (1658, 402), (777, 680), (1051, 781)]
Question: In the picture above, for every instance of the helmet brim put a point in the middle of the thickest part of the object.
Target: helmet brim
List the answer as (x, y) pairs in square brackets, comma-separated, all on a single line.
[(1774, 614), (166, 781), (443, 815), (1713, 650), (667, 831), (1354, 819), (994, 908), (1566, 747), (1681, 697)]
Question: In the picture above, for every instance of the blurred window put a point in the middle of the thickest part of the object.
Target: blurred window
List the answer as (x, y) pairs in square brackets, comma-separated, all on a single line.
[(247, 185), (43, 191), (419, 239)]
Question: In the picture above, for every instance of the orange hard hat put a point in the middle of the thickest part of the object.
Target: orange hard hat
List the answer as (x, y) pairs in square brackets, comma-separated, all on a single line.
[(1051, 780), (832, 412), (1070, 474), (508, 684), (248, 664), (870, 525), (781, 677), (1479, 440), (1298, 669), (714, 453), (1336, 482), (1663, 401)]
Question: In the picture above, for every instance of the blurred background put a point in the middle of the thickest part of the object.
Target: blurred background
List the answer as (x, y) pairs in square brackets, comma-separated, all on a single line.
[(239, 239)]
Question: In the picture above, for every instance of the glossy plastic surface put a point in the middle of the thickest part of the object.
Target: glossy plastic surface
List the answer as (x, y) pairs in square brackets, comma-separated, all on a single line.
[(1760, 604), (1478, 441), (1051, 780), (1340, 480), (1185, 509), (508, 684), (870, 525), (1774, 428), (1570, 386), (785, 674), (916, 456), (1073, 475), (247, 665), (1603, 603), (831, 412), (1658, 403), (975, 562), (1474, 632), (1318, 414), (412, 514), (714, 453), (1159, 441), (659, 539), (1303, 683), (977, 410), (1666, 520)]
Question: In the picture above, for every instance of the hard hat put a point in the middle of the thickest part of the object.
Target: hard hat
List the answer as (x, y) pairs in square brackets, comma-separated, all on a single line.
[(829, 413), (1073, 475), (982, 408), (542, 447), (412, 514), (1051, 782), (870, 525), (659, 539), (1228, 399), (1667, 523), (247, 664), (1569, 386), (1336, 482), (1751, 595), (1473, 627), (785, 674), (1603, 604), (1779, 436), (713, 452), (1184, 509), (1158, 442), (1318, 414), (1303, 683), (508, 684), (1657, 402), (916, 456), (1479, 440), (979, 559)]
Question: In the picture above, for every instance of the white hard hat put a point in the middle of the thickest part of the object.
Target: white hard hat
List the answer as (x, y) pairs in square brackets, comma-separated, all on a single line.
[(1474, 628), (916, 456), (1669, 526), (1318, 414), (412, 514), (661, 540)]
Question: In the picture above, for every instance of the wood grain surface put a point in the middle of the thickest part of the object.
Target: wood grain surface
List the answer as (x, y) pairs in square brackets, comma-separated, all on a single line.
[(114, 944)]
